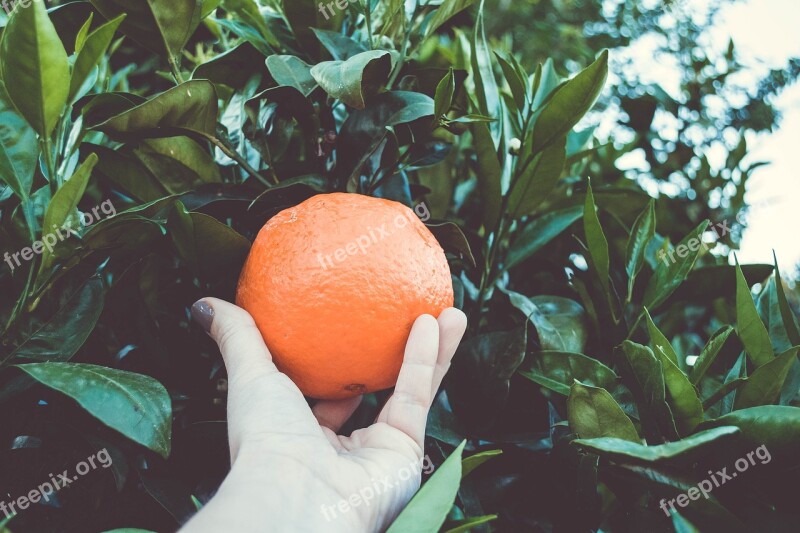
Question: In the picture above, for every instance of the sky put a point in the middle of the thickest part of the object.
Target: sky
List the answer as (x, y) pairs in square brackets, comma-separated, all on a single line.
[(766, 36)]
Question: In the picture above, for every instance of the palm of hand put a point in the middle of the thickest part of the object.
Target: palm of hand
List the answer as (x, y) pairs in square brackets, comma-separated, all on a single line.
[(358, 482)]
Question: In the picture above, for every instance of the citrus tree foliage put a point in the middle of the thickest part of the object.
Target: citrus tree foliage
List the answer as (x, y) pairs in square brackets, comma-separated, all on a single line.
[(611, 360)]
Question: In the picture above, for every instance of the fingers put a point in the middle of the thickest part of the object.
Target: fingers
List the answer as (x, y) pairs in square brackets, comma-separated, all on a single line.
[(332, 414), (239, 340), (452, 325), (407, 409)]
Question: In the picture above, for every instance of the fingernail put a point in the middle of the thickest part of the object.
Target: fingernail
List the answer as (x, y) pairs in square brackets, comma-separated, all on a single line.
[(203, 314)]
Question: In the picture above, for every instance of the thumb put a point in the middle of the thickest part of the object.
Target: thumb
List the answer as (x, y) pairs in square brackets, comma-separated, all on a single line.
[(239, 340)]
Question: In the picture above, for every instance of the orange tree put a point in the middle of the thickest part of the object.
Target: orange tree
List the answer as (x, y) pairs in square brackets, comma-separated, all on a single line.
[(607, 372)]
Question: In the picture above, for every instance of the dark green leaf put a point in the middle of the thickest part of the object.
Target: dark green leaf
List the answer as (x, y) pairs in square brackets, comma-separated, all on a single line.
[(489, 172), (340, 46), (443, 98), (536, 178), (18, 153), (749, 326), (560, 322), (596, 241), (643, 373), (515, 78), (686, 449), (657, 339), (537, 233), (671, 271), (162, 26), (61, 335), (569, 103), (90, 54), (593, 413), (765, 383), (643, 230), (137, 406), (447, 10), (353, 81), (292, 71), (681, 394), (557, 371), (776, 427), (191, 106), (709, 353)]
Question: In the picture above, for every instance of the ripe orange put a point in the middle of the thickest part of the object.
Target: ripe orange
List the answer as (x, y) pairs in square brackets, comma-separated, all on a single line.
[(334, 285)]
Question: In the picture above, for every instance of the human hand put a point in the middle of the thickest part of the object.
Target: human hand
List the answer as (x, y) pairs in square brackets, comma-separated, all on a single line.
[(290, 470)]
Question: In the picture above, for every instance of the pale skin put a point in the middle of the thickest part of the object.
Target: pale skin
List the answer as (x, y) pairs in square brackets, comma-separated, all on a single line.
[(288, 460)]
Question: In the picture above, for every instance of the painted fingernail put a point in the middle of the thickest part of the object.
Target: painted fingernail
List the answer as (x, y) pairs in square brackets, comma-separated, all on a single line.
[(203, 314)]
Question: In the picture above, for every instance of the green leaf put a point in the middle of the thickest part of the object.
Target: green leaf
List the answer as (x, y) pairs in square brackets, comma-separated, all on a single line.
[(643, 373), (19, 153), (643, 230), (686, 449), (63, 206), (515, 77), (161, 26), (776, 427), (32, 55), (749, 326), (428, 509), (234, 67), (208, 246), (765, 383), (560, 322), (486, 92), (596, 241), (340, 46), (657, 339), (137, 406), (445, 91), (468, 524), (489, 173), (671, 271), (569, 104), (292, 71), (593, 413), (446, 11), (58, 337), (538, 232), (80, 39), (557, 371), (191, 107), (536, 178), (248, 12), (353, 81), (91, 52), (468, 464), (682, 525), (787, 316), (709, 353), (687, 410)]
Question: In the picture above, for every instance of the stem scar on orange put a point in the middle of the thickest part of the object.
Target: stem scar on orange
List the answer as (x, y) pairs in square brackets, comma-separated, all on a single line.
[(334, 285)]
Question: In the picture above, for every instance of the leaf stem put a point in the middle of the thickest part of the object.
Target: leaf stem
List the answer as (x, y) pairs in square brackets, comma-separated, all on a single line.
[(239, 159)]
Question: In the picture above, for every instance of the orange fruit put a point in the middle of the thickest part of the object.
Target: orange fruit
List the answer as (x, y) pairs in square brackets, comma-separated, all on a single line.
[(335, 283)]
